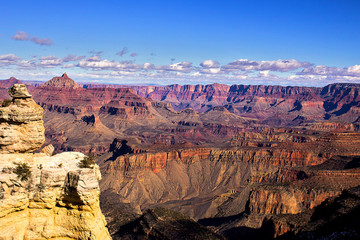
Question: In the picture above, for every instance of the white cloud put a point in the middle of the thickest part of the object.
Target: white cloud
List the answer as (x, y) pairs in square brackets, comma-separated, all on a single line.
[(20, 36), (52, 57), (97, 64), (210, 67), (69, 65), (210, 64), (278, 65), (264, 73), (42, 41), (49, 62), (72, 58), (242, 71), (9, 58), (184, 66), (148, 66), (352, 71), (23, 36)]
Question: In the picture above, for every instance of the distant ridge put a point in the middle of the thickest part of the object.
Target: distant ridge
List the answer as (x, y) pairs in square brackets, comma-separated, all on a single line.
[(9, 82), (61, 82)]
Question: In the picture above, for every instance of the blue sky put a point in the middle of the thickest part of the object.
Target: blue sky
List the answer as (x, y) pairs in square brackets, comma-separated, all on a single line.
[(309, 43)]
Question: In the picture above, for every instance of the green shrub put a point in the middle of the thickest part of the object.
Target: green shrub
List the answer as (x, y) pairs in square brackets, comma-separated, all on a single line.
[(87, 161), (22, 170), (6, 102)]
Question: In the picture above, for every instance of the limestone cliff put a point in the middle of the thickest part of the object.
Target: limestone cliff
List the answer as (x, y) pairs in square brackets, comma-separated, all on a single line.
[(43, 196)]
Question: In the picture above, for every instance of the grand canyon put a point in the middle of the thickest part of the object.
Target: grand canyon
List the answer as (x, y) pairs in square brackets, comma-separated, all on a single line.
[(188, 162)]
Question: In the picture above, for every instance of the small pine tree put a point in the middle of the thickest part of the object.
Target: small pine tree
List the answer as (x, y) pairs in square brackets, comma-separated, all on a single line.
[(6, 102), (22, 170), (87, 161)]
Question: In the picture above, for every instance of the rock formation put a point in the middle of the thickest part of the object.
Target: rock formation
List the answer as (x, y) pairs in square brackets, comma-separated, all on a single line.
[(21, 125), (219, 155), (263, 180), (78, 119), (207, 114), (61, 82), (274, 105), (43, 196)]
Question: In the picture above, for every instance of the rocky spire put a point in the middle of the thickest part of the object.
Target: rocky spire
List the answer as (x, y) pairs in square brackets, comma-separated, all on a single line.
[(61, 82), (21, 125)]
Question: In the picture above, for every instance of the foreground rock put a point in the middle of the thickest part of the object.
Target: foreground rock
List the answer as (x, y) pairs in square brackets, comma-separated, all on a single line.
[(58, 201), (21, 124), (43, 196)]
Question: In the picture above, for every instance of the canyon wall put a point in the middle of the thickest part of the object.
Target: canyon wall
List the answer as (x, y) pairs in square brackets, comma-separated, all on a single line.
[(275, 105), (198, 181)]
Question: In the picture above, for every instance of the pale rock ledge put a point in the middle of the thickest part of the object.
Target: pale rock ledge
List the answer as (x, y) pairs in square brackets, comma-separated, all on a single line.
[(59, 201)]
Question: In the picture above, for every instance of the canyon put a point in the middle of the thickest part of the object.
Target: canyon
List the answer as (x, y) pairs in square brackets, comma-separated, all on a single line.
[(248, 161)]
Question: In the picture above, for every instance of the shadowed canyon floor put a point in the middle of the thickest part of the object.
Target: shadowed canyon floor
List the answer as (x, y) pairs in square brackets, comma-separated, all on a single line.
[(246, 161)]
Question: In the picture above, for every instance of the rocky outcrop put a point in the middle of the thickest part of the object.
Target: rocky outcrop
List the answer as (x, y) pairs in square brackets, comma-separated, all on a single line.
[(337, 218), (286, 200), (59, 200), (268, 138), (21, 125), (43, 196)]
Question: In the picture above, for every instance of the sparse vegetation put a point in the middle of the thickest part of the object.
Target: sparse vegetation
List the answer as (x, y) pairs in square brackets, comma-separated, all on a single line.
[(40, 187), (88, 161), (6, 102), (22, 170)]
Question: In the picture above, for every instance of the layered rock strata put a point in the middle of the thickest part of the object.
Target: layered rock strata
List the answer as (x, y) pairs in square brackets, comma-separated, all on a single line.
[(21, 124), (58, 201), (43, 196)]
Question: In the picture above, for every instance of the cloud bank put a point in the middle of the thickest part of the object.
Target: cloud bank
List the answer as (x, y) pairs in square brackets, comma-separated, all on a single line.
[(240, 71)]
